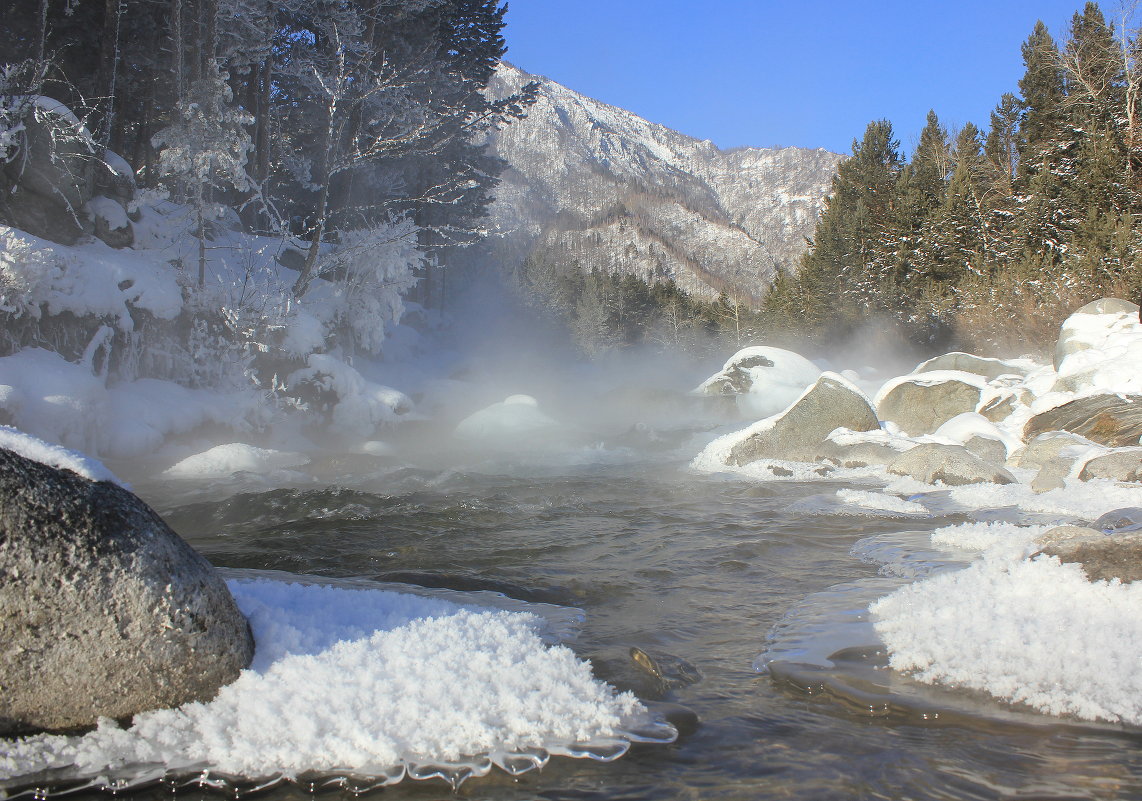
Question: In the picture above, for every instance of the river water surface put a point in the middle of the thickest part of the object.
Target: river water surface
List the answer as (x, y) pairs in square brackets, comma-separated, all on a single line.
[(701, 574)]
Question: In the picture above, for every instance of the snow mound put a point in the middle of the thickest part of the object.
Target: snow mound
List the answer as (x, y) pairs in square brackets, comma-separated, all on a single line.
[(514, 417), (225, 460), (1033, 632), (368, 683)]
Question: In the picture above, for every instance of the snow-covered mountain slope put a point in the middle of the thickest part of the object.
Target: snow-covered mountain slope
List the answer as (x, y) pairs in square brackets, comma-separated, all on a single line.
[(594, 185)]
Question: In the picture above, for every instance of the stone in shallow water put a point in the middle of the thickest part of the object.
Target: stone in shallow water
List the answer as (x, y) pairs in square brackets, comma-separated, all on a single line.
[(104, 611)]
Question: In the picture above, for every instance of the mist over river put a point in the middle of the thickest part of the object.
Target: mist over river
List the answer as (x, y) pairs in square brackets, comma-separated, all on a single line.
[(702, 573)]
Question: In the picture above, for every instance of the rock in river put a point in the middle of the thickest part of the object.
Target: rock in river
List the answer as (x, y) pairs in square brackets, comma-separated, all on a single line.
[(104, 610)]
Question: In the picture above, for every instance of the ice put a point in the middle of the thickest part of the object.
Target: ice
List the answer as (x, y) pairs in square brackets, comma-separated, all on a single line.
[(366, 681)]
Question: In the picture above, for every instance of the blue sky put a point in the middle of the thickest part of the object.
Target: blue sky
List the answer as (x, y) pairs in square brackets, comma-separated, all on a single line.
[(762, 73)]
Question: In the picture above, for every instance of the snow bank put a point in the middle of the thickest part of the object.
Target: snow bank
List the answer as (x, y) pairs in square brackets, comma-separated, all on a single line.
[(368, 682), (63, 402), (1034, 632)]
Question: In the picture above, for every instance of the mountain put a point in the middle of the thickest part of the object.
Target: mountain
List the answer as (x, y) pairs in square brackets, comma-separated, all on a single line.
[(591, 186)]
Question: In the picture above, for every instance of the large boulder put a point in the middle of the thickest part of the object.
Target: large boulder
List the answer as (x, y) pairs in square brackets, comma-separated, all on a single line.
[(1118, 465), (795, 434), (1111, 420), (953, 465), (922, 402), (104, 611), (762, 380)]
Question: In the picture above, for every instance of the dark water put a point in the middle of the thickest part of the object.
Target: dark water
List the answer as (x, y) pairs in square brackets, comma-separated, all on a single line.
[(695, 571)]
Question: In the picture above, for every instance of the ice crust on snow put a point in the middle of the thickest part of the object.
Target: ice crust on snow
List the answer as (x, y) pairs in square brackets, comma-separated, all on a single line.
[(368, 681)]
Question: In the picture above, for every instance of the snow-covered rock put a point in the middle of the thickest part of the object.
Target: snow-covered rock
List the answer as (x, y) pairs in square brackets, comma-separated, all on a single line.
[(921, 402), (1092, 326), (763, 380), (1120, 464), (104, 611), (507, 422), (794, 434), (225, 460), (969, 363)]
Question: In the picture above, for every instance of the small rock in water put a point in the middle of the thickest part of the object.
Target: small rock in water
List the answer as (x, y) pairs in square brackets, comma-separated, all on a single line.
[(669, 670), (1126, 519)]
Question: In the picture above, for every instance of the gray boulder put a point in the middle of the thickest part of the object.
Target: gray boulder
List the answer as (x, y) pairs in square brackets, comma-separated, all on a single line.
[(1120, 465), (990, 450), (924, 402), (796, 433), (59, 158), (1068, 343), (1111, 420), (1048, 454), (969, 363), (104, 611), (857, 454), (1102, 556), (953, 465)]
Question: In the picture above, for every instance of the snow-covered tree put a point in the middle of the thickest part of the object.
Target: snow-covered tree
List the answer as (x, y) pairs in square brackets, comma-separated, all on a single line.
[(204, 152)]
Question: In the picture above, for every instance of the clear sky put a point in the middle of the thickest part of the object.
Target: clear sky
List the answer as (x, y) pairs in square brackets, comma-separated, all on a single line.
[(765, 73)]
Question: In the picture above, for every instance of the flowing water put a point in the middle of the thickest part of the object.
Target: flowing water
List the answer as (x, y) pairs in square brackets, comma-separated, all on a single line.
[(700, 574)]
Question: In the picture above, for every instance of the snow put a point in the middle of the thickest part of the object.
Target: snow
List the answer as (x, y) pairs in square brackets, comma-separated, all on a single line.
[(1033, 632), (773, 386), (369, 682), (225, 460), (109, 210), (59, 401), (515, 417), (54, 455)]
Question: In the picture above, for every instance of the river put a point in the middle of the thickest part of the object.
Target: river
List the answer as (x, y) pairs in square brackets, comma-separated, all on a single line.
[(702, 573)]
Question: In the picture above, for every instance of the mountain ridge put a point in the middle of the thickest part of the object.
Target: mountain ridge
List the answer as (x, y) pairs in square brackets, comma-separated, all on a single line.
[(590, 185)]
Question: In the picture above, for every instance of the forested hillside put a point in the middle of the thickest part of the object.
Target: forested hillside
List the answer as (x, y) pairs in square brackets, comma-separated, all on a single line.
[(986, 237), (232, 196)]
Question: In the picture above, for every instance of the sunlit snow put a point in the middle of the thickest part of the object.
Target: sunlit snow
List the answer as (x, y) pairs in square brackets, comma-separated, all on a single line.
[(368, 681)]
